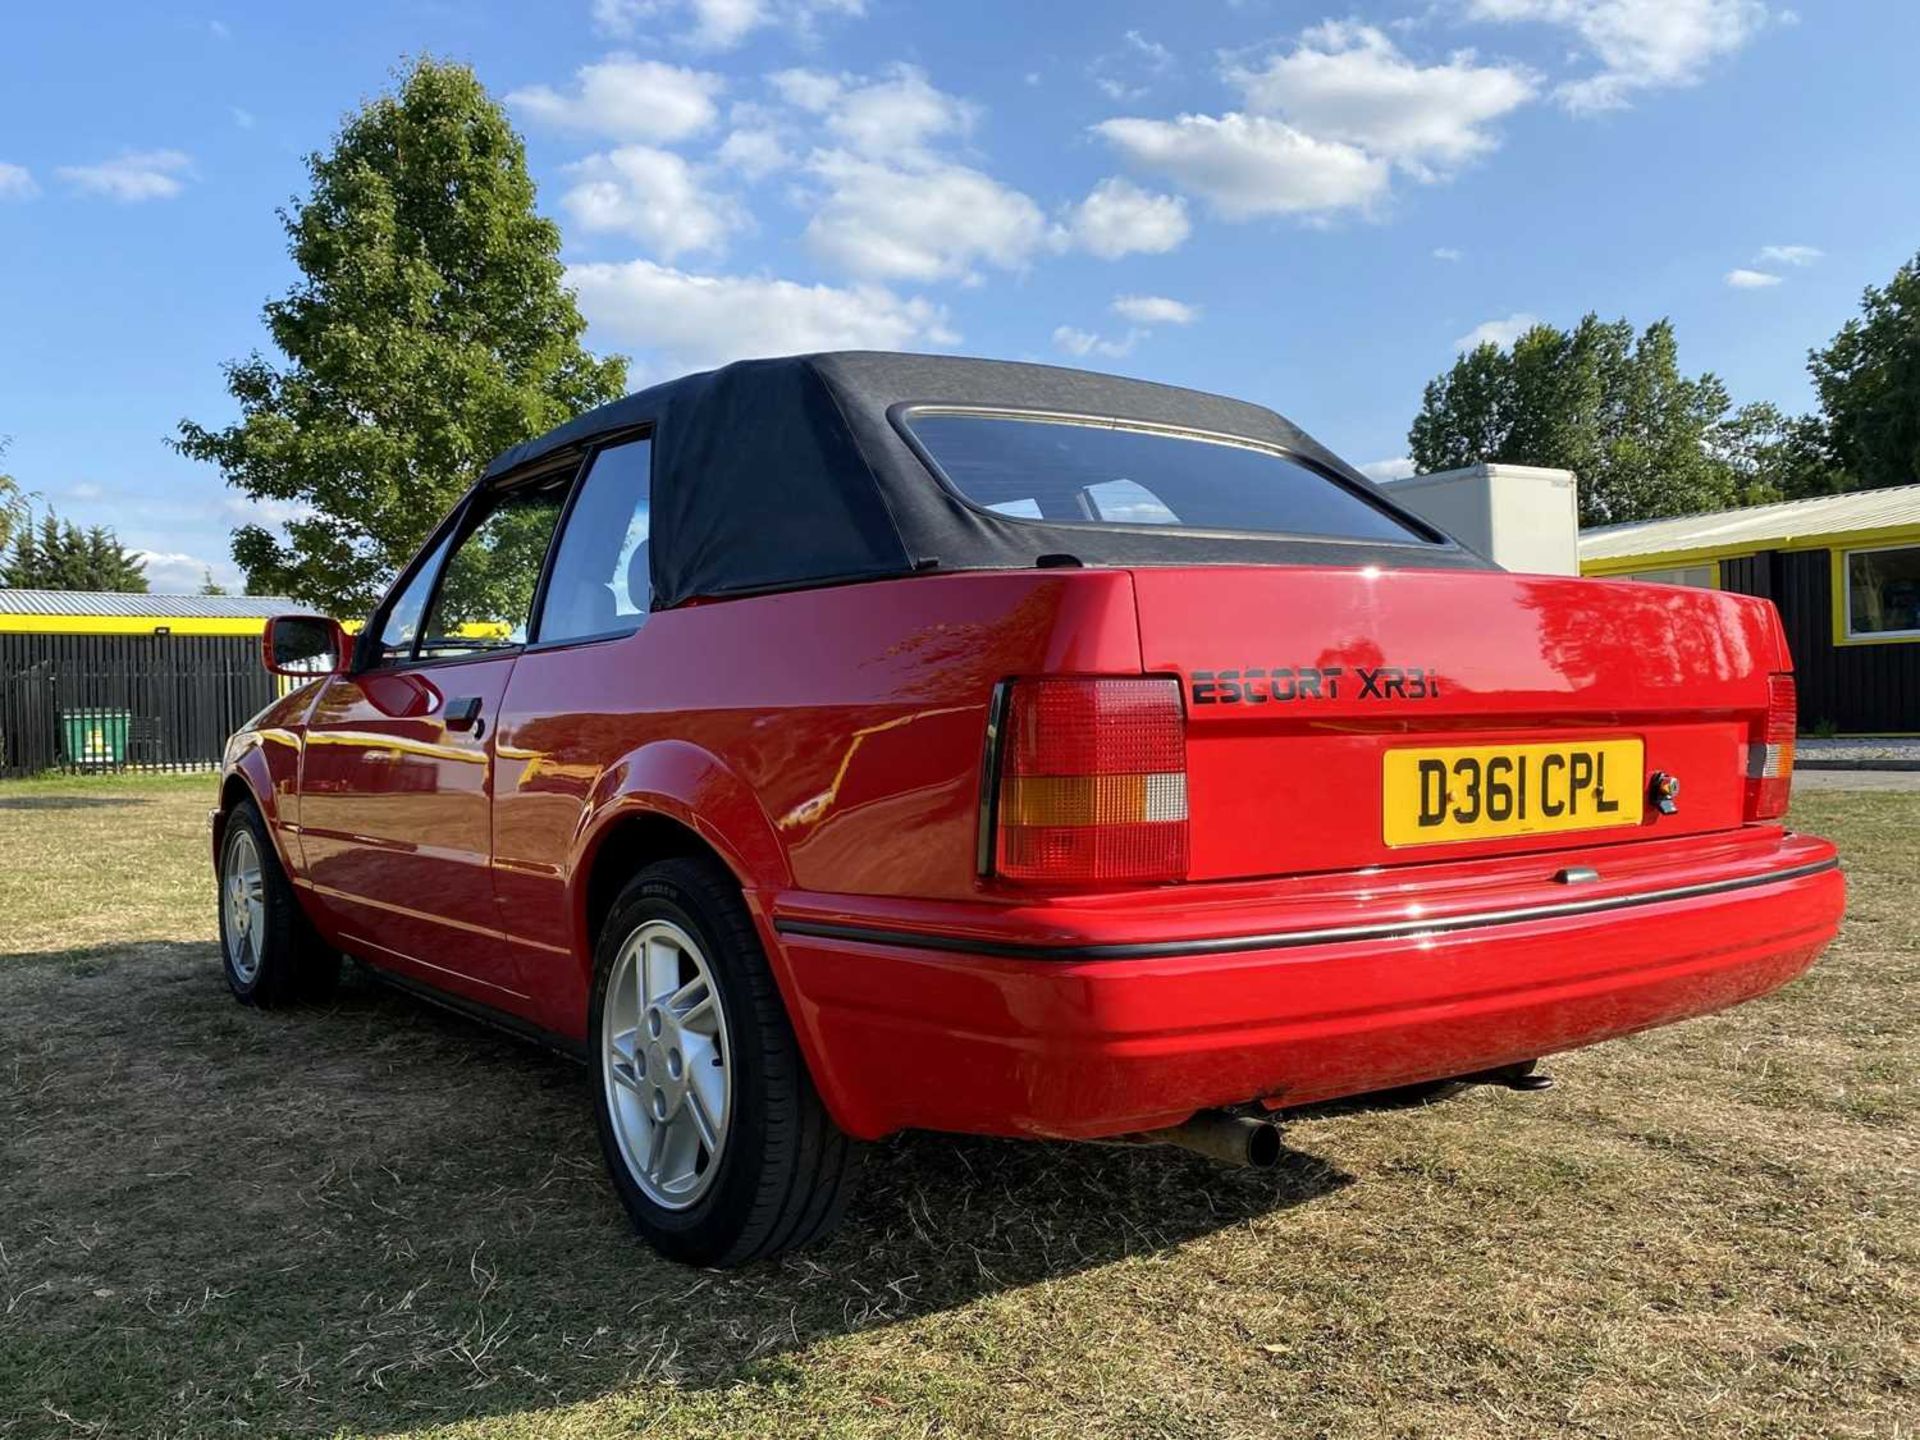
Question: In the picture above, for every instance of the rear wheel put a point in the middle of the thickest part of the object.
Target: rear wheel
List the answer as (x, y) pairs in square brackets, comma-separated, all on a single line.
[(270, 951), (714, 1136)]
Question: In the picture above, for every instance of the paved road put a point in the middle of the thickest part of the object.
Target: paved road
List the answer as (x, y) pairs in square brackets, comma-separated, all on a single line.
[(1907, 780)]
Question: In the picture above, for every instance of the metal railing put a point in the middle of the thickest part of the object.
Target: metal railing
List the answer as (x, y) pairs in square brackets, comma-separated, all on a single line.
[(127, 702)]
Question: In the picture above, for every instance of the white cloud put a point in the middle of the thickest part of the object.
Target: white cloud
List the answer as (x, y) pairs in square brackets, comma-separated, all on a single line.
[(694, 321), (16, 182), (1640, 44), (1396, 469), (132, 175), (1154, 310), (899, 114), (1788, 255), (930, 220), (1348, 81), (625, 98), (242, 118), (887, 201), (1248, 165), (1082, 343), (756, 152), (718, 24), (723, 24), (653, 195), (173, 572), (1119, 218), (246, 510), (810, 90), (1446, 252), (1129, 72), (1751, 279), (1497, 332), (219, 30)]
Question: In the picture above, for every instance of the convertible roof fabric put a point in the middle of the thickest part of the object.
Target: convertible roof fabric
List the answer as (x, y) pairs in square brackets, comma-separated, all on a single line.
[(776, 474)]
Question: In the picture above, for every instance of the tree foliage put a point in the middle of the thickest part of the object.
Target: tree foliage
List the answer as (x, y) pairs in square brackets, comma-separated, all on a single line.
[(57, 554), (431, 329), (1868, 381), (1611, 406), (13, 502)]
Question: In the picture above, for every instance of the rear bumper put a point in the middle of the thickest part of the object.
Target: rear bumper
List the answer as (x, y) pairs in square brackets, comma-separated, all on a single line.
[(1081, 1028)]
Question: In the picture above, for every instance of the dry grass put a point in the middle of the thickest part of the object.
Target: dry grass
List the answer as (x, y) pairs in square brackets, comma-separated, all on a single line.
[(378, 1219)]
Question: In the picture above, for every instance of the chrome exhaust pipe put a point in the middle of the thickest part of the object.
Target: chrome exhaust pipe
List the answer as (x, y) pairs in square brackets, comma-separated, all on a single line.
[(1229, 1139)]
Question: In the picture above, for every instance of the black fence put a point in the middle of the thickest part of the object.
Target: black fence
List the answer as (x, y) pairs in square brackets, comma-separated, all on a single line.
[(124, 702)]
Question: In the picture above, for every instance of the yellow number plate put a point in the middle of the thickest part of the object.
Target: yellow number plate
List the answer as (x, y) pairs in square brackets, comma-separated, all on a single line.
[(1490, 792)]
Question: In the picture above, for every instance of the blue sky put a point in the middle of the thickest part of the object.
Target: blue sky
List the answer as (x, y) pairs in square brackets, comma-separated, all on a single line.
[(1307, 204)]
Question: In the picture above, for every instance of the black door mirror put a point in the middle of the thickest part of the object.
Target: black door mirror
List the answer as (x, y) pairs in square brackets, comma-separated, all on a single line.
[(304, 646)]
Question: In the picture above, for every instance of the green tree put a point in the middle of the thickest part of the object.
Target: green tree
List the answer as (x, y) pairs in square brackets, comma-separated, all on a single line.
[(431, 330), (1868, 380), (1612, 407), (13, 501), (211, 586), (57, 554)]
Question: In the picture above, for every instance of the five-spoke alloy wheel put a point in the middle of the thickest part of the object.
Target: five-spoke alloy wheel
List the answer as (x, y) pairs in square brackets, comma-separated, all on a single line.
[(716, 1141), (663, 1034), (268, 948), (243, 894)]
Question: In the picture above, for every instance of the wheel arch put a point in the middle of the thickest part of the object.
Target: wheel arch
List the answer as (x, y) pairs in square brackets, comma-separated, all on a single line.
[(247, 779), (676, 800)]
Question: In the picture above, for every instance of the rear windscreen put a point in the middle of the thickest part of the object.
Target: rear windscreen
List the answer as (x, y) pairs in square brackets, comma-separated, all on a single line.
[(1087, 473)]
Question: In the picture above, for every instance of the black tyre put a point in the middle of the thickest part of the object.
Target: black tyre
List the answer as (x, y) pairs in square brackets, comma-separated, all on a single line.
[(714, 1136), (268, 948)]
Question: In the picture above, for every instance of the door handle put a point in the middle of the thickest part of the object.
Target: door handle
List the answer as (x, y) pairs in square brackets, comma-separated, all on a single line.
[(463, 713)]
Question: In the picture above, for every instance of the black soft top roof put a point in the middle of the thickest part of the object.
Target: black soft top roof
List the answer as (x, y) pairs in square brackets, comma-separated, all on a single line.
[(773, 474)]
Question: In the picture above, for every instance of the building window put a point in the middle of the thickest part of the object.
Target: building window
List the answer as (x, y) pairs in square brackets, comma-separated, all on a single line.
[(1702, 577), (1883, 593)]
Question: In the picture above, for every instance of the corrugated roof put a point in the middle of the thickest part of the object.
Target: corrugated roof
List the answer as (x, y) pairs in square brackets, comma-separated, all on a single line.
[(1761, 526), (142, 607)]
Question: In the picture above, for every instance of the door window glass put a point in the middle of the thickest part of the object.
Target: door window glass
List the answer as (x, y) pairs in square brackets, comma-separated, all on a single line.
[(486, 592), (600, 583), (403, 617)]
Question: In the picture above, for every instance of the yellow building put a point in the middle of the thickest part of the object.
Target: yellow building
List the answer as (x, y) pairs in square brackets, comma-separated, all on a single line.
[(1844, 571)]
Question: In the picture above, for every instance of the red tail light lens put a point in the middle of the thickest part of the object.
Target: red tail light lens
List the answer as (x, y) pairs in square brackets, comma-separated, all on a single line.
[(1770, 758), (1093, 782)]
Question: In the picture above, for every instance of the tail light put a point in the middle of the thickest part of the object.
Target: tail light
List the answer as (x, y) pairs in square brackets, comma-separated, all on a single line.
[(1770, 758), (1092, 781)]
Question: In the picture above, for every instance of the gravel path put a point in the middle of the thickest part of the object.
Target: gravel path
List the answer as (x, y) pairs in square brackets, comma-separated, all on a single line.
[(1901, 753)]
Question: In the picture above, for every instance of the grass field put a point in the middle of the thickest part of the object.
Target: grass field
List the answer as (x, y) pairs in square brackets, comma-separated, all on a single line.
[(375, 1218)]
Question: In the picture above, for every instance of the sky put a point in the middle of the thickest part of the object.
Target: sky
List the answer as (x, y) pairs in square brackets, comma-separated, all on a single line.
[(1304, 203)]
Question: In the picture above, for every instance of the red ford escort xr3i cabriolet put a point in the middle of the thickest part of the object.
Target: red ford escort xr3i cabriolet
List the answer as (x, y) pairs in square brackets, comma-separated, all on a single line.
[(832, 745)]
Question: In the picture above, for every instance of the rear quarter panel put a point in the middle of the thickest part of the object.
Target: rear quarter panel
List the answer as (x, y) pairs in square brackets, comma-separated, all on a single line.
[(826, 740)]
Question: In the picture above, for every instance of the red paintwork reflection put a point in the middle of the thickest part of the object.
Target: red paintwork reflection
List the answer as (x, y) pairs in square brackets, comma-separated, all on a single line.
[(827, 745)]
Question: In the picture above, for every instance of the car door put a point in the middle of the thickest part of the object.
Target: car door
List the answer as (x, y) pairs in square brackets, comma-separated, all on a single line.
[(572, 709), (397, 778)]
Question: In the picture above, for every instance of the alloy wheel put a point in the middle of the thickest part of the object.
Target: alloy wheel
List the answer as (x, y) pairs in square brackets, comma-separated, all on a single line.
[(665, 1065), (243, 893)]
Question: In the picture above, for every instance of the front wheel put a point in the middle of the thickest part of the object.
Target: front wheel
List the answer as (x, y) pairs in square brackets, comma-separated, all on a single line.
[(713, 1134), (270, 951)]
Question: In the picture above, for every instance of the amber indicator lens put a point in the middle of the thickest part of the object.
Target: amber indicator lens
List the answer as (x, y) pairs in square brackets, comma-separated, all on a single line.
[(1093, 781)]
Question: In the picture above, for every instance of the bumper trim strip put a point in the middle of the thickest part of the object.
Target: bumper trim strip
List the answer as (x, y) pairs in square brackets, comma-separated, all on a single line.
[(1284, 940)]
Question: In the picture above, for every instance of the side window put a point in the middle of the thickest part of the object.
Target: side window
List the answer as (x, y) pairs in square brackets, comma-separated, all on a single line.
[(403, 620), (601, 584), (485, 596)]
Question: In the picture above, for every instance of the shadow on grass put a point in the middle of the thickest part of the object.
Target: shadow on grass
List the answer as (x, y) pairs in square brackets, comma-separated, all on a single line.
[(69, 802), (378, 1213)]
